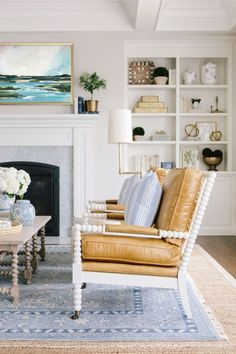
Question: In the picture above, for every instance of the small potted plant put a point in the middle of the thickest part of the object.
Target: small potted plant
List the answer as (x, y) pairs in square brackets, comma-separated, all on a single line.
[(138, 133), (91, 83), (160, 75)]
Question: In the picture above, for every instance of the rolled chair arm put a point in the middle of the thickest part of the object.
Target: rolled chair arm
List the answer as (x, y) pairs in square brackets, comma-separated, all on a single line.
[(112, 201), (108, 208), (108, 201), (117, 207)]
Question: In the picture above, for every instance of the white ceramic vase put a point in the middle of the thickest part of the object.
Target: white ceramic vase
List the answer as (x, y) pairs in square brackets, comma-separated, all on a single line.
[(208, 74), (189, 77), (6, 202)]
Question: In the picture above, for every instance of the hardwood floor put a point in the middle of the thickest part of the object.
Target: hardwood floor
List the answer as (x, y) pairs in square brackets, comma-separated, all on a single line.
[(222, 248)]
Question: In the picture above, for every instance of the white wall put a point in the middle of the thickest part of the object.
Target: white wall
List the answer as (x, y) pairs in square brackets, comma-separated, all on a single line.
[(101, 52)]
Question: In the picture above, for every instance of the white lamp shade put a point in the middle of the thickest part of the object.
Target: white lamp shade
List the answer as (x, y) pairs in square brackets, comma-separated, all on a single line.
[(120, 126)]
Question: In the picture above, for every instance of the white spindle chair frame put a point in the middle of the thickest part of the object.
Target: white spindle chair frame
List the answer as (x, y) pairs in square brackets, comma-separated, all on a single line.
[(97, 223)]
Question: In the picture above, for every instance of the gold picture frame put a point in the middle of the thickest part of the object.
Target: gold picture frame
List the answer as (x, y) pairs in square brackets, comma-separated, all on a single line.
[(36, 73)]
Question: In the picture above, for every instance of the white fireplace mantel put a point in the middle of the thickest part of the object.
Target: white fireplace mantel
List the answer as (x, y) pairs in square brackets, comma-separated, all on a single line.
[(54, 130)]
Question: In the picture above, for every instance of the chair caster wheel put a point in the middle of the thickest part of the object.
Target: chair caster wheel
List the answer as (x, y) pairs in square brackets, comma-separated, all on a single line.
[(83, 286), (75, 316)]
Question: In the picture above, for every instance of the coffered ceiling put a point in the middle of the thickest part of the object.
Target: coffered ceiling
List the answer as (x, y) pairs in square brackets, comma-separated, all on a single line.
[(118, 15)]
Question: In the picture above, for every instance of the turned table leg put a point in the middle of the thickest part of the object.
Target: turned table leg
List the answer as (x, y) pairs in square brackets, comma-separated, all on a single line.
[(35, 253), (28, 268), (15, 286), (42, 251)]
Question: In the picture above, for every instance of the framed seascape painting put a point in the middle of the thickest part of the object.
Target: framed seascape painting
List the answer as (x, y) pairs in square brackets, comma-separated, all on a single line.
[(36, 73)]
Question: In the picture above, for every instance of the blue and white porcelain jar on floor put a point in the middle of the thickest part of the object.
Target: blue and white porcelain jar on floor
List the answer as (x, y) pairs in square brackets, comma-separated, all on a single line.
[(23, 211)]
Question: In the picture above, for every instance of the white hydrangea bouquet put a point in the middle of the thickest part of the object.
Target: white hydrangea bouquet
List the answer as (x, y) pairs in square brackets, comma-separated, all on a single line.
[(13, 183)]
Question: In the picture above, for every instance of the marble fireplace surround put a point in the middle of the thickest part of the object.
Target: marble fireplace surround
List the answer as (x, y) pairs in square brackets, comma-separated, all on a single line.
[(58, 130)]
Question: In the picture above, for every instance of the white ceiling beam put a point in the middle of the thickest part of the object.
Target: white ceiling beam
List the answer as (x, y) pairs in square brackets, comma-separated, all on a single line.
[(147, 12), (130, 10), (229, 8), (162, 2)]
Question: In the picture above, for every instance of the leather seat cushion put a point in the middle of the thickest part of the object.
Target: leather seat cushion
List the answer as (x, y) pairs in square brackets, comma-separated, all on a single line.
[(115, 216), (180, 193), (129, 250), (122, 268)]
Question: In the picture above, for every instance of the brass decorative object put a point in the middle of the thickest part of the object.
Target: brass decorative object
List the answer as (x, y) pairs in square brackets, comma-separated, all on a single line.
[(191, 130), (204, 131), (216, 135), (212, 158), (212, 162), (217, 108)]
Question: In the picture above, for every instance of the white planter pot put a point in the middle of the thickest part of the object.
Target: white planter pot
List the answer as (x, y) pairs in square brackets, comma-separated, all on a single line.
[(160, 80), (138, 137)]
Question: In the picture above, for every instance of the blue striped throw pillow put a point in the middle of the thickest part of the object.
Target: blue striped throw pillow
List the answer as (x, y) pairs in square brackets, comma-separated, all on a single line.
[(127, 188), (144, 202)]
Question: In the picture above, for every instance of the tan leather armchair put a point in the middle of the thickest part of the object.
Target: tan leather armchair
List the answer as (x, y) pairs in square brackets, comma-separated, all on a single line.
[(145, 256)]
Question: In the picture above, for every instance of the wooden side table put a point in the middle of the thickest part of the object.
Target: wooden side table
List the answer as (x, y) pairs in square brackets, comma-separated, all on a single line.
[(11, 243)]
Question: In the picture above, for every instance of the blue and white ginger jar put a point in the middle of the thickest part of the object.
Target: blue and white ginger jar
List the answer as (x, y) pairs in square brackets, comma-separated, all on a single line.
[(6, 202), (23, 211)]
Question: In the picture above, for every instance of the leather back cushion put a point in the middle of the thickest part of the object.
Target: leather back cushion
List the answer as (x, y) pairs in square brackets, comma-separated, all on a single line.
[(180, 192), (161, 174)]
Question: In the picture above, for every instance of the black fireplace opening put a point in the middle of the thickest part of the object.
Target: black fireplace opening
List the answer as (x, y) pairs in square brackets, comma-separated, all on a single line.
[(43, 191)]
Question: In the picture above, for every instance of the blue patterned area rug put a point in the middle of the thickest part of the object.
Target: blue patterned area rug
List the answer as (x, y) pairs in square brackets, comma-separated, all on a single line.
[(109, 313)]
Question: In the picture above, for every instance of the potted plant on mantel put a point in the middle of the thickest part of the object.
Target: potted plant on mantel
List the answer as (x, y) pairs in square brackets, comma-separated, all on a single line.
[(138, 133), (160, 75), (91, 83)]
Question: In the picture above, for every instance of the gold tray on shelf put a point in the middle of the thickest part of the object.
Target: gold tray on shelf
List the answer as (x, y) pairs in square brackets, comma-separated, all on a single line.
[(15, 228)]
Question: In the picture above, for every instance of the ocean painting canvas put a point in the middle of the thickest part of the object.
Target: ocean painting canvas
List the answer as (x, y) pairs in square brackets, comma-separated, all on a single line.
[(35, 73)]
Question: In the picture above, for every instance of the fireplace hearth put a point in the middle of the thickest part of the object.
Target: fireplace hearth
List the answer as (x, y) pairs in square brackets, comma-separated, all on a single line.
[(43, 191)]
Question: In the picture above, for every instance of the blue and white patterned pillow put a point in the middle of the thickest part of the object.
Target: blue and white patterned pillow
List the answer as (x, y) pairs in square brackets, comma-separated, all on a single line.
[(127, 188), (144, 202)]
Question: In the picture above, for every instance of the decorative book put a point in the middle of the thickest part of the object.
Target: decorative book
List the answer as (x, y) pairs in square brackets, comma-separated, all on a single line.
[(150, 104), (150, 110), (149, 99)]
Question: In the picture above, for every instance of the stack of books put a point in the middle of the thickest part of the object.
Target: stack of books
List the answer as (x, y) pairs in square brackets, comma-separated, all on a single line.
[(149, 104)]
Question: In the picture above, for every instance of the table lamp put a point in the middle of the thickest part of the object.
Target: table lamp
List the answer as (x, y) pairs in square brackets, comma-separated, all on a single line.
[(120, 132)]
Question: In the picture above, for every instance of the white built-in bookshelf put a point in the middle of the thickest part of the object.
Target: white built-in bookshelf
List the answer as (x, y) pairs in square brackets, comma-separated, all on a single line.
[(177, 99)]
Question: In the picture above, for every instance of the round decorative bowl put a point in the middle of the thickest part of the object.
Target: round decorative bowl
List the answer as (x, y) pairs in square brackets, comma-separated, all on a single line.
[(212, 162)]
